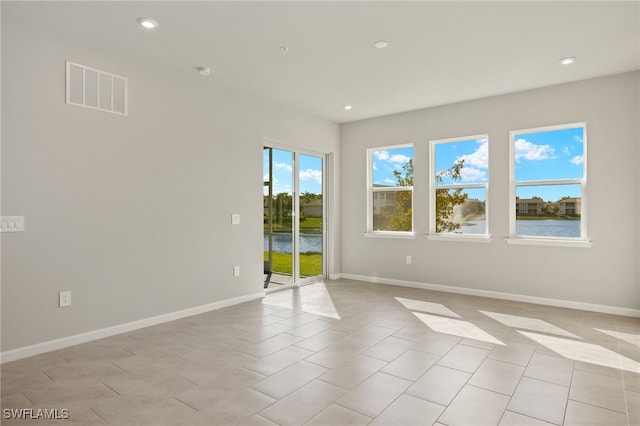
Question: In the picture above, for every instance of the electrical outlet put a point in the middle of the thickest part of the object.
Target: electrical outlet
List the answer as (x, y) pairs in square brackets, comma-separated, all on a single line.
[(407, 260), (236, 271), (64, 298)]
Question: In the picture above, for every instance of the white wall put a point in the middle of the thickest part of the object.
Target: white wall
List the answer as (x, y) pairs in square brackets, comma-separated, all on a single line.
[(606, 274), (132, 214)]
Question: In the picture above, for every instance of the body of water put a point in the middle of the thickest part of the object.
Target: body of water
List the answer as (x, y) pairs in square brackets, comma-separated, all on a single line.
[(549, 228), (282, 243), (534, 228)]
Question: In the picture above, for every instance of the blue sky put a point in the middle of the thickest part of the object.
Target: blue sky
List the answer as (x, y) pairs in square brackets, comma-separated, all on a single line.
[(310, 172), (386, 161), (474, 152), (554, 154)]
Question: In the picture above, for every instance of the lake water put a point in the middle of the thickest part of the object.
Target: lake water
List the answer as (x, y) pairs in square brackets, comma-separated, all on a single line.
[(282, 243), (537, 228), (534, 228)]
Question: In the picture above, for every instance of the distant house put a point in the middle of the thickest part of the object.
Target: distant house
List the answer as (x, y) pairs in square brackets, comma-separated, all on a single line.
[(312, 208), (383, 201), (570, 206), (530, 206)]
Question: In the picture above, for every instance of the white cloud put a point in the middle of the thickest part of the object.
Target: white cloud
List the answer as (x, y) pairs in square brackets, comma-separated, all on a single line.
[(578, 139), (566, 150), (479, 158), (470, 174), (531, 151), (285, 166), (390, 181), (395, 158), (311, 174), (577, 160)]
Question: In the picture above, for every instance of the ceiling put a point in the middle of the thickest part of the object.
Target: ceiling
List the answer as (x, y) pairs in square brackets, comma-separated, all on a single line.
[(439, 52)]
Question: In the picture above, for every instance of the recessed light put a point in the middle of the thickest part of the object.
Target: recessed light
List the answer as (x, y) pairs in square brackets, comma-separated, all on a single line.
[(348, 107), (381, 44), (568, 60), (284, 49), (204, 70), (148, 23)]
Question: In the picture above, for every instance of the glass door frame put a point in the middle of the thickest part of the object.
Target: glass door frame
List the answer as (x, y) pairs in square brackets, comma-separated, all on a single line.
[(296, 151)]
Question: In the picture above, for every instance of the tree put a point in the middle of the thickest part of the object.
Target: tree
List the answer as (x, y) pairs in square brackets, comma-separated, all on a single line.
[(551, 209), (400, 218), (447, 199)]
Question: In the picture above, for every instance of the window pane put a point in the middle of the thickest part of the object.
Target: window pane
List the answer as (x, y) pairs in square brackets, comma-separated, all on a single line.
[(311, 212), (461, 211), (279, 244), (463, 161), (392, 211), (551, 154), (548, 210), (393, 167)]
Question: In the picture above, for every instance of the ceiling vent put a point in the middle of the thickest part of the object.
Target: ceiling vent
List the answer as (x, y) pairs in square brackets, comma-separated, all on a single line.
[(91, 88)]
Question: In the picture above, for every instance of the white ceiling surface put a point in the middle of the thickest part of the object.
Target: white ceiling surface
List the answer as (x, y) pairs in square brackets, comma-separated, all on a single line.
[(439, 52)]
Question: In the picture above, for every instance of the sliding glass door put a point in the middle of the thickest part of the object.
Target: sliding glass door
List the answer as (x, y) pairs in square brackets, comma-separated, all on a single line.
[(311, 217), (294, 212)]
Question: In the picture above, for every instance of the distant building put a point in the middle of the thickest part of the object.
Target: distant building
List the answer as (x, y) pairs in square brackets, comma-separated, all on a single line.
[(383, 201), (530, 206), (570, 206), (312, 208)]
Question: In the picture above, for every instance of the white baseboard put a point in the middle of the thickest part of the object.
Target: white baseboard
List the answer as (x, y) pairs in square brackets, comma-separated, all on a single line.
[(89, 336), (335, 276), (614, 310)]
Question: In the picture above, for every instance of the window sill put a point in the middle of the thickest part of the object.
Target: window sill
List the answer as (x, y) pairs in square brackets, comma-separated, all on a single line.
[(398, 235), (461, 238), (549, 242)]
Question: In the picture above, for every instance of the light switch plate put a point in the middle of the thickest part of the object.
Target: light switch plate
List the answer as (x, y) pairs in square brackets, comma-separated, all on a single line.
[(12, 224), (235, 219)]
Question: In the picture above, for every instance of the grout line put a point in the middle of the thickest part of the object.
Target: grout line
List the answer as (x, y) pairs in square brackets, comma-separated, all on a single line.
[(184, 403), (98, 415), (110, 388)]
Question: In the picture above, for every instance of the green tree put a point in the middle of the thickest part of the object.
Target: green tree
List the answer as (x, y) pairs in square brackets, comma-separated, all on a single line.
[(447, 199), (400, 218), (551, 209)]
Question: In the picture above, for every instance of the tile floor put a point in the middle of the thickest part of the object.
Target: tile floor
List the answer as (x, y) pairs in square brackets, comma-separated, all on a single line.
[(347, 353)]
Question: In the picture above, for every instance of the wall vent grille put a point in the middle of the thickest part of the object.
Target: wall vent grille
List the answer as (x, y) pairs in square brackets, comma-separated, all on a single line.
[(91, 88)]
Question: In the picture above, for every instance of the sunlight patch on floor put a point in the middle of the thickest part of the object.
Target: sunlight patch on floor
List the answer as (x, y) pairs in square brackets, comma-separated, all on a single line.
[(584, 352), (632, 339), (422, 306), (456, 327), (312, 299), (527, 323)]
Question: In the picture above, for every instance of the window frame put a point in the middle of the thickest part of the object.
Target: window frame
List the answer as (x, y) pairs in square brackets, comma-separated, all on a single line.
[(433, 235), (371, 189), (514, 238)]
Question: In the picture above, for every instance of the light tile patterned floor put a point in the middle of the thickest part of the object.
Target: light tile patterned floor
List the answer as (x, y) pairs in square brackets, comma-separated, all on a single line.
[(347, 353)]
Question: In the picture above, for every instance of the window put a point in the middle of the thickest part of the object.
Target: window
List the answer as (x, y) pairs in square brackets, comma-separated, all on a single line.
[(390, 190), (548, 181), (459, 182)]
